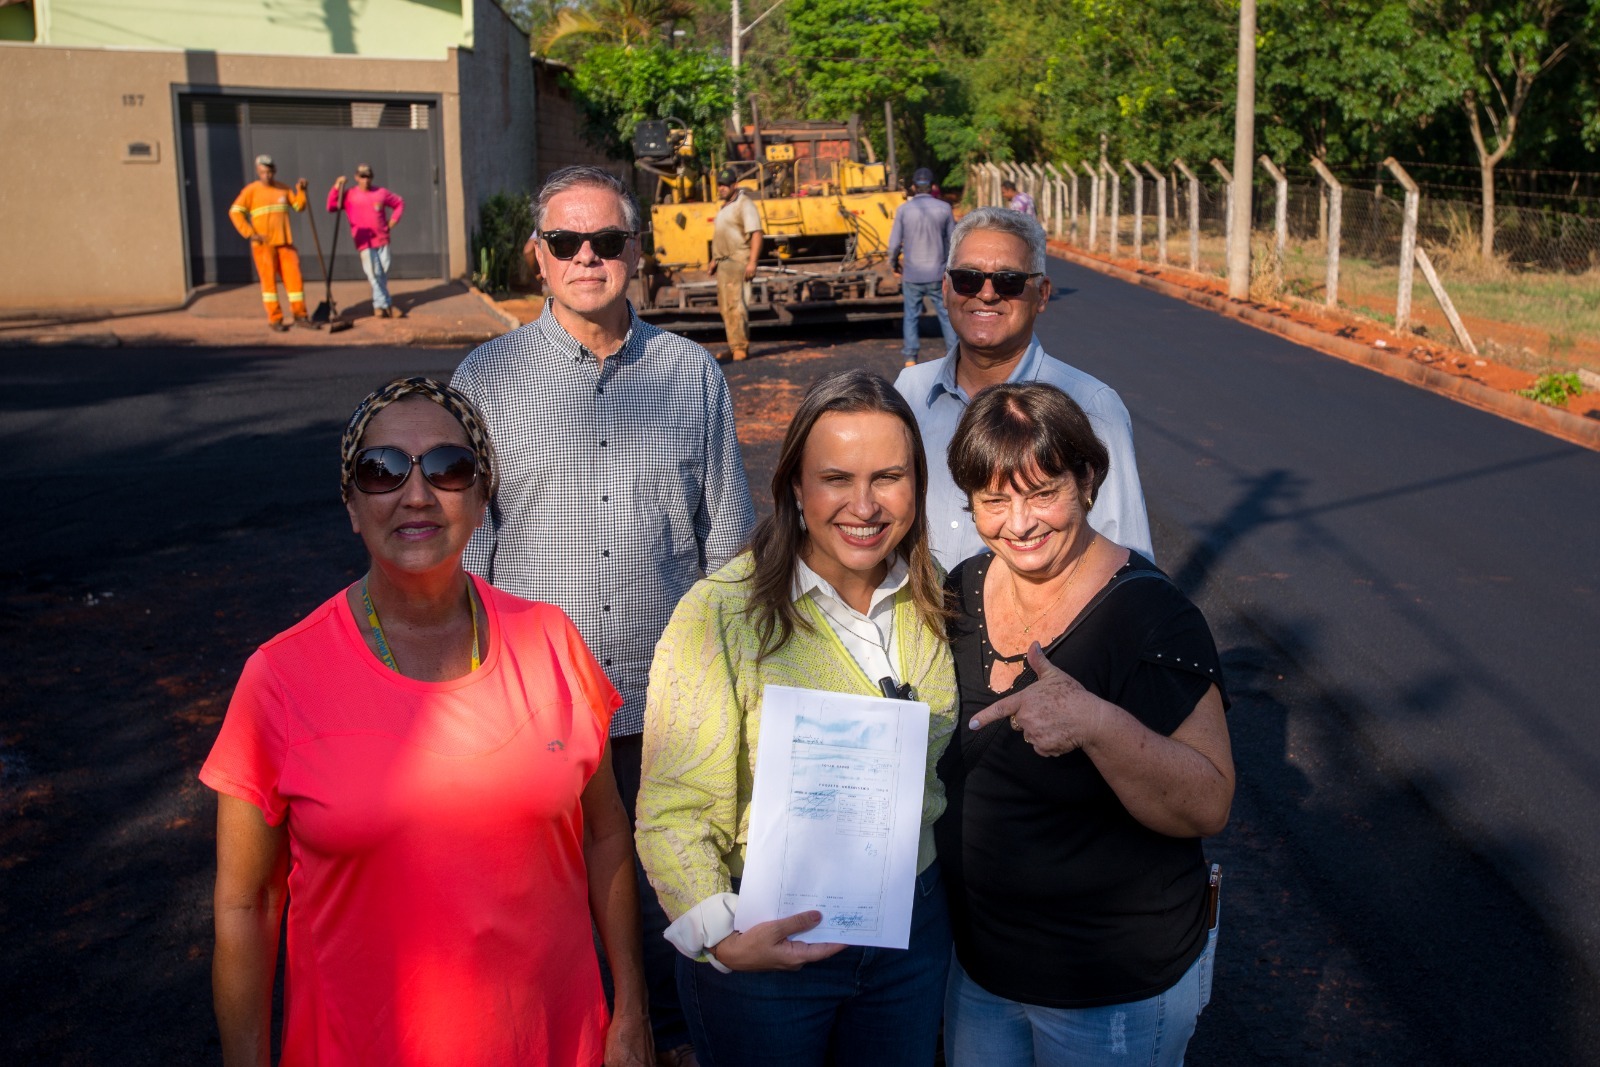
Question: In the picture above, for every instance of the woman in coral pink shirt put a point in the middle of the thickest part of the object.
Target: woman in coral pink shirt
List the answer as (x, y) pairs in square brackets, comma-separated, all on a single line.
[(420, 768)]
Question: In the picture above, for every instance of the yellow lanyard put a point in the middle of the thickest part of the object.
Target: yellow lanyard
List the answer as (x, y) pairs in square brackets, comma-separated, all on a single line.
[(383, 644)]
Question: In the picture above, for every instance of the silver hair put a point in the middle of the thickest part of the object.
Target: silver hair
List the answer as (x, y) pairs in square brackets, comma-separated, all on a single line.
[(572, 177), (1004, 220)]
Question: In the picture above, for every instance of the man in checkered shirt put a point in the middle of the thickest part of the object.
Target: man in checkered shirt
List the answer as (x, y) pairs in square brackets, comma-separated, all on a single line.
[(621, 481)]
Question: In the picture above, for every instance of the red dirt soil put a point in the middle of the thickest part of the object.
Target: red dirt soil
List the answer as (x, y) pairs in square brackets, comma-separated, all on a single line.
[(1425, 351)]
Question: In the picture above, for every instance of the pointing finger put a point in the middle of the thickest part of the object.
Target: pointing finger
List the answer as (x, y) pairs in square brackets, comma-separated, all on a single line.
[(1000, 709)]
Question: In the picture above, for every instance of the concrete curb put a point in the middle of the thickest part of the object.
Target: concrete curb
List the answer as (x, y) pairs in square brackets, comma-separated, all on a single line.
[(508, 320), (1554, 421)]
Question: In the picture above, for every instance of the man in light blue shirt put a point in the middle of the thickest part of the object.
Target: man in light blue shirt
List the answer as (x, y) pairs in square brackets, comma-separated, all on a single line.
[(997, 344), (919, 243)]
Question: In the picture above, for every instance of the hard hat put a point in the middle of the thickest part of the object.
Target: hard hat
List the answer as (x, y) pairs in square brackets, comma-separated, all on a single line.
[(266, 161)]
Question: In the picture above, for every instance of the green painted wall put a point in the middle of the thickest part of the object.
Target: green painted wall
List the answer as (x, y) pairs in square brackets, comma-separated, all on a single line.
[(16, 23), (388, 29)]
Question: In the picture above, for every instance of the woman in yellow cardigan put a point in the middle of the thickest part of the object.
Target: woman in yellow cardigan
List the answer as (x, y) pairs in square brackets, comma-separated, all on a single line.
[(838, 591)]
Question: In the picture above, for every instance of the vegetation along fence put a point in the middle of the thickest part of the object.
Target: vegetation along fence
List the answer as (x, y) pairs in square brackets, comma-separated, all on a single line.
[(1378, 248)]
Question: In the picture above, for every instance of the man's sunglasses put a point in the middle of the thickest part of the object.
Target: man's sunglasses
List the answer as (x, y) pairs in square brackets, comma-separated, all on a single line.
[(1006, 282), (385, 469), (607, 244)]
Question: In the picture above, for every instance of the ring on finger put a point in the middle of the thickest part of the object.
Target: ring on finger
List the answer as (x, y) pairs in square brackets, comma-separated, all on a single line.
[(1015, 725)]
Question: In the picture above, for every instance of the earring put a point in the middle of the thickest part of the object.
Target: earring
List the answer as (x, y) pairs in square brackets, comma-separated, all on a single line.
[(801, 514)]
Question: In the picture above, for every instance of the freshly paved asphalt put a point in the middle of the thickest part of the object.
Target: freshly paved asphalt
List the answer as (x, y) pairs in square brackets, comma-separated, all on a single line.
[(1407, 593), (1404, 591)]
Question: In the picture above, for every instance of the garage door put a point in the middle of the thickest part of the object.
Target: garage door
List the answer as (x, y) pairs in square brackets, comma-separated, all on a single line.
[(317, 139)]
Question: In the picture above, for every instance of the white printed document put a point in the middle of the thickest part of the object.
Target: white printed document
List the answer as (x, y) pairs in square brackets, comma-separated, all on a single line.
[(836, 815)]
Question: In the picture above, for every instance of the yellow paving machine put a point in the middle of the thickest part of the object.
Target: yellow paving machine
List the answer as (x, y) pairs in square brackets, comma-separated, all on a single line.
[(827, 205)]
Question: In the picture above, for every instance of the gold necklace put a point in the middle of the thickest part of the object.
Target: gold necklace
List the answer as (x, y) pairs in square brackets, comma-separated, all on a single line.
[(1016, 601)]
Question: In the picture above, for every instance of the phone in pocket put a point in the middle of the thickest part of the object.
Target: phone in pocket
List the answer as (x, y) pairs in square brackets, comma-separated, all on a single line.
[(1208, 958)]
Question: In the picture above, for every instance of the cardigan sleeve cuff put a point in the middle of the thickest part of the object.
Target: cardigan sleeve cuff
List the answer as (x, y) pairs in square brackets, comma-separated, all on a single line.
[(702, 926)]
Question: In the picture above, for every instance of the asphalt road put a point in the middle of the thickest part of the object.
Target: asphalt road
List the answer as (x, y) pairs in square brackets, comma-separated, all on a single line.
[(1406, 592), (1403, 590)]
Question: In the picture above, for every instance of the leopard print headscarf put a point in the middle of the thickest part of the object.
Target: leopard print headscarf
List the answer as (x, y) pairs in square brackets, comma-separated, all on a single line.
[(446, 397)]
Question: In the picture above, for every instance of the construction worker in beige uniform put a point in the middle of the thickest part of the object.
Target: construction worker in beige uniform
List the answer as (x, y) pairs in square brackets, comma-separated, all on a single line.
[(735, 248)]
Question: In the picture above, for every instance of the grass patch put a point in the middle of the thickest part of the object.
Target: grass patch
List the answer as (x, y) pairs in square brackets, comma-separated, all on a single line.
[(1553, 389)]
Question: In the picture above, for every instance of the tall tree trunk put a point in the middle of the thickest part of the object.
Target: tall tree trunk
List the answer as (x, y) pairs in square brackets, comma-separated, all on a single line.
[(1487, 161)]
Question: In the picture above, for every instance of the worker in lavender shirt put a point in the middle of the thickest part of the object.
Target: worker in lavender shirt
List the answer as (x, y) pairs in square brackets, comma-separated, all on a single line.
[(1016, 201), (918, 245)]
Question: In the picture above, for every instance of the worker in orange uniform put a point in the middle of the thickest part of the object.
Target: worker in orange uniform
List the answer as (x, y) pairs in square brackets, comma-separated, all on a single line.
[(261, 215)]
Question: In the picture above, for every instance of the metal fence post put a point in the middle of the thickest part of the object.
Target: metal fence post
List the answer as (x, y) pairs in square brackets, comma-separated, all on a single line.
[(1334, 194), (1408, 245), (1161, 212), (1280, 221), (1138, 210), (1227, 185), (1194, 213), (1094, 203)]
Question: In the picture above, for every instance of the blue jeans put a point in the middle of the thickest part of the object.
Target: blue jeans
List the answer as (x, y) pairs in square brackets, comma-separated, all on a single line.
[(864, 1007), (375, 261), (983, 1029), (913, 292)]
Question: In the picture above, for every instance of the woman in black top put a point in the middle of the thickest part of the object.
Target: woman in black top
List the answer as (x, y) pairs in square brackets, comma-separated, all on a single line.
[(1095, 757)]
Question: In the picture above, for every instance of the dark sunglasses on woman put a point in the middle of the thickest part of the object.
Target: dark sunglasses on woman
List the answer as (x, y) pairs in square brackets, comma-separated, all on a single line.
[(968, 282), (385, 469), (607, 244)]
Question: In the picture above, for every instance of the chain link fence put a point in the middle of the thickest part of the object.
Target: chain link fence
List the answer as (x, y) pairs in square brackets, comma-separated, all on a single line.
[(1535, 304)]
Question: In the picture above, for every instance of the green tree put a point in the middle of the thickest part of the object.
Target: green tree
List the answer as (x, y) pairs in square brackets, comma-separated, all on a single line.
[(1357, 88), (1502, 50), (852, 55), (618, 87), (1146, 80), (624, 22)]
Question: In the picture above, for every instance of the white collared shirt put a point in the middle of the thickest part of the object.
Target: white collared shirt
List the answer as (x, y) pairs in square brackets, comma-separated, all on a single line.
[(869, 638)]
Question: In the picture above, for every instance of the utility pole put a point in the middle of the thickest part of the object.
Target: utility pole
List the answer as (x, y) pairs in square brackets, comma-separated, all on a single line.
[(736, 54), (1244, 136)]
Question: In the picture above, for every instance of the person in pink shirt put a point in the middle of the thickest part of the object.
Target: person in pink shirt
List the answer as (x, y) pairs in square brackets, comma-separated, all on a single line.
[(419, 773), (373, 211)]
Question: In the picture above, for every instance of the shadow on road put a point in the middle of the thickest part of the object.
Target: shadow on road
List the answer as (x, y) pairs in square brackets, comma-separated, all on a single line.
[(1356, 921)]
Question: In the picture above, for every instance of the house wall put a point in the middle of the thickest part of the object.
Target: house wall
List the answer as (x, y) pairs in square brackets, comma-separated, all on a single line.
[(560, 136), (499, 125), (87, 230), (391, 29)]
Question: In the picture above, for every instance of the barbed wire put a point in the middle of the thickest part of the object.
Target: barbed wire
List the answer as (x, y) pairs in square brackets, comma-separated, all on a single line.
[(1534, 304)]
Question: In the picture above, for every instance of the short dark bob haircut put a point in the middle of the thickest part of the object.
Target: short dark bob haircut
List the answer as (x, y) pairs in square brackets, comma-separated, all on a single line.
[(1019, 434)]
